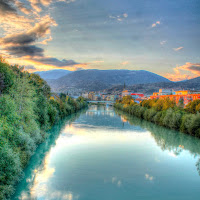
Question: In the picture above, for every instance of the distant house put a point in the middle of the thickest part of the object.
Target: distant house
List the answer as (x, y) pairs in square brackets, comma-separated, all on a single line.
[(85, 95), (91, 96), (183, 92), (125, 93), (137, 95), (185, 96)]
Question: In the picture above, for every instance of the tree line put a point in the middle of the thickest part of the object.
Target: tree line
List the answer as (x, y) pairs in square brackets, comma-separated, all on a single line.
[(27, 112), (165, 112)]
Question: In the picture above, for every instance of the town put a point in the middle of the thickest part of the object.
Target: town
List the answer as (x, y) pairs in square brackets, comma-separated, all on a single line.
[(184, 96)]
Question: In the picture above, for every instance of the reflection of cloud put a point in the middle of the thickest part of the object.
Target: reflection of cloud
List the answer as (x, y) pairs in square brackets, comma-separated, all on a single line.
[(172, 154), (119, 183), (157, 160), (41, 187), (149, 177), (116, 181)]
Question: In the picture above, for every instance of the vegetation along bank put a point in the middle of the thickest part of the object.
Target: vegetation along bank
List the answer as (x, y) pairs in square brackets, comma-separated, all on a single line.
[(165, 113), (27, 111)]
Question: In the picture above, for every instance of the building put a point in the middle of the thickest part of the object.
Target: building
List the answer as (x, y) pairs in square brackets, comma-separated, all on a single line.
[(137, 95), (125, 93), (164, 92), (183, 95), (91, 95), (85, 95), (183, 92)]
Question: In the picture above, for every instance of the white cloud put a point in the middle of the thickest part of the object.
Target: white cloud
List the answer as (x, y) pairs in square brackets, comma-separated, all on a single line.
[(163, 42), (125, 15), (119, 18)]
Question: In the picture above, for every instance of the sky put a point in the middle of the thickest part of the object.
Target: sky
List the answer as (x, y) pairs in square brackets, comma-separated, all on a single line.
[(161, 36)]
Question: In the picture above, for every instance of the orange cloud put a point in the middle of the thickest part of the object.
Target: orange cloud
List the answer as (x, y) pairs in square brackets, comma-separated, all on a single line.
[(46, 40), (23, 29), (178, 49), (192, 71), (125, 63), (155, 24)]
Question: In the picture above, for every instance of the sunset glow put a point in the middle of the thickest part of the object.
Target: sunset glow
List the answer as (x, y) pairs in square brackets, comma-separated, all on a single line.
[(159, 36)]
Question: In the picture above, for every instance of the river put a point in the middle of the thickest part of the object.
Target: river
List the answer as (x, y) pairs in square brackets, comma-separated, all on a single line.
[(103, 154)]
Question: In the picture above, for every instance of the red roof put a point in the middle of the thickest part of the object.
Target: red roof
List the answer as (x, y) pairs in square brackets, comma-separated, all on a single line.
[(137, 94)]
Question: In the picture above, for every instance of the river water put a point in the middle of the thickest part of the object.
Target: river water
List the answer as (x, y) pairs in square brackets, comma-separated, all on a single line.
[(103, 154)]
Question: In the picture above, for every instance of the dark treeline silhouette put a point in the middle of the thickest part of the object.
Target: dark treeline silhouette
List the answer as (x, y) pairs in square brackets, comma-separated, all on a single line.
[(26, 114)]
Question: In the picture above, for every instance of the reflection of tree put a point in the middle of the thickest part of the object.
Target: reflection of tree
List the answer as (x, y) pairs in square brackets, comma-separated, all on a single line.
[(198, 166), (167, 139), (38, 159)]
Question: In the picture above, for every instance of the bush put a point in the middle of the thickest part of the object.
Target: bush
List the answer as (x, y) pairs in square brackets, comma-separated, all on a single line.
[(26, 113)]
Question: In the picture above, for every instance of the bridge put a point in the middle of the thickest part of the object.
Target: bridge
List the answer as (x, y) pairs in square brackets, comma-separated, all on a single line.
[(102, 102)]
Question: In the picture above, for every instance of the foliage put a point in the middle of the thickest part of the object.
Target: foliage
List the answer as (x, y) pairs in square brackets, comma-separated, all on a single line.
[(166, 113), (26, 113), (193, 106)]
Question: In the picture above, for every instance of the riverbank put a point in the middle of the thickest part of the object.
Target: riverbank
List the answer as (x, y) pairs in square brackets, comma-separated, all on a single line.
[(105, 153), (172, 117), (27, 112)]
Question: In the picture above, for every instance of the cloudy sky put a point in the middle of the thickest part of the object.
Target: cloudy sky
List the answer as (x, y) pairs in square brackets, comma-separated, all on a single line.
[(161, 36)]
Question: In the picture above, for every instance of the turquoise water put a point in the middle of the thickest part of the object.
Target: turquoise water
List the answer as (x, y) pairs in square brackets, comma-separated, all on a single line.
[(102, 154)]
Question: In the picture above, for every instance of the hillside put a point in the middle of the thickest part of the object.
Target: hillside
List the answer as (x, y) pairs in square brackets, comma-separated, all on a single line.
[(53, 74), (192, 84), (94, 80)]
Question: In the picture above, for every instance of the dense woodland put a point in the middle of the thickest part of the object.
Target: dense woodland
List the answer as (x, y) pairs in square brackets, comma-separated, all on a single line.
[(26, 114), (165, 113)]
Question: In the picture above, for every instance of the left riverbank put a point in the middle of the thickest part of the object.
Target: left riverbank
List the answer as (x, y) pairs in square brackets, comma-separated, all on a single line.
[(27, 112)]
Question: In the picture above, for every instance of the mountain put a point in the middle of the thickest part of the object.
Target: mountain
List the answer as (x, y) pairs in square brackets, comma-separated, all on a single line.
[(192, 84), (95, 80), (53, 74)]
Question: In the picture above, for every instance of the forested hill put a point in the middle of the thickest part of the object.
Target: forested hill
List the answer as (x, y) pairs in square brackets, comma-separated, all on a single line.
[(26, 113), (94, 80)]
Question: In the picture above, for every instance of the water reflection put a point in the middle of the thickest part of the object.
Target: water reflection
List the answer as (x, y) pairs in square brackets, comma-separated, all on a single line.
[(37, 174), (168, 140), (102, 154)]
